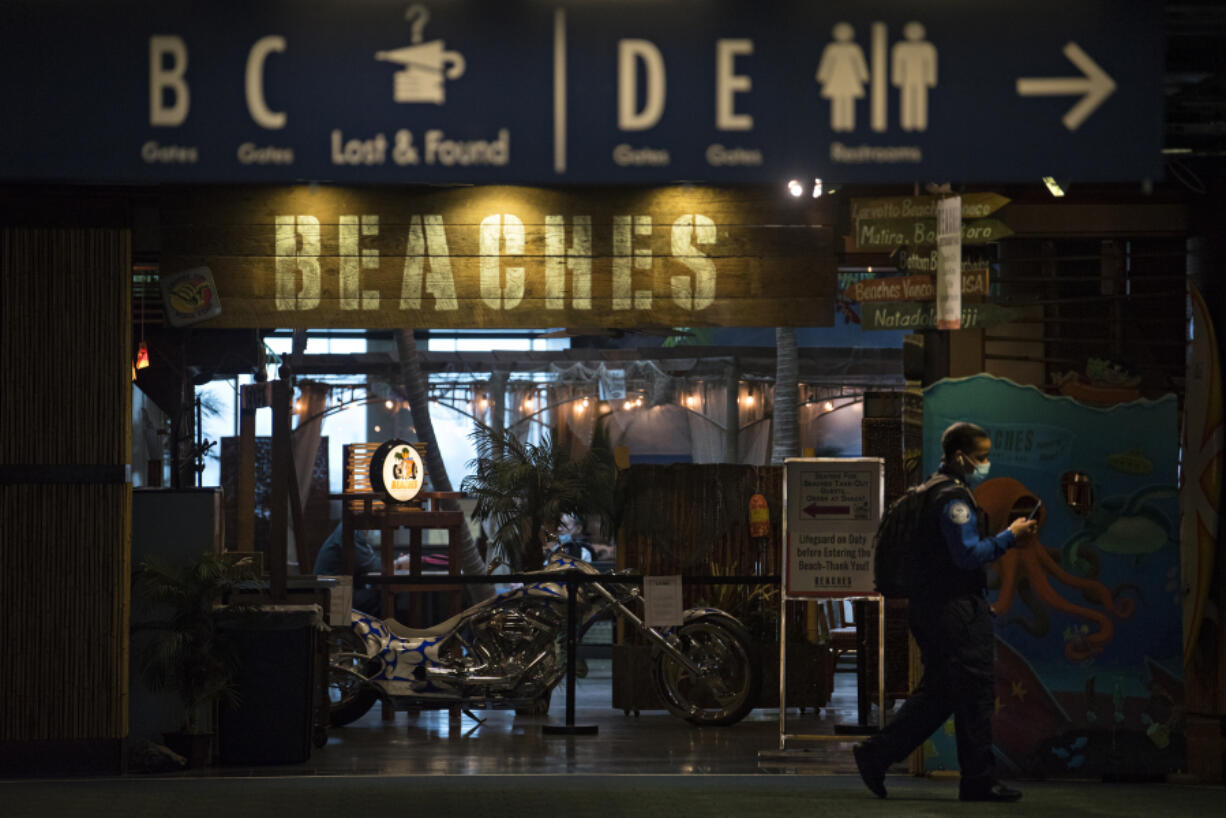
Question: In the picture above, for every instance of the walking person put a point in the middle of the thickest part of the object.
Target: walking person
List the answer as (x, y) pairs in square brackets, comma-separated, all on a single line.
[(949, 617)]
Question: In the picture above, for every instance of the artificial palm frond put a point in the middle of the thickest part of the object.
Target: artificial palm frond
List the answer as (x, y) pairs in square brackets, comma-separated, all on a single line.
[(525, 489), (186, 651)]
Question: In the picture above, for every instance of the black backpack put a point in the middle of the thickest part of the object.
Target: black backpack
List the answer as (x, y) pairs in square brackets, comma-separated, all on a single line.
[(895, 540)]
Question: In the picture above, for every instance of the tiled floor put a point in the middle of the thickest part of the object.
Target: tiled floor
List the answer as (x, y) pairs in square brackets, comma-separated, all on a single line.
[(506, 743), (652, 742)]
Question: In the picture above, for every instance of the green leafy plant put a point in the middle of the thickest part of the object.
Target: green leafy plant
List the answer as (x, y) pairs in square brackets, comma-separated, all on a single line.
[(524, 490), (186, 651)]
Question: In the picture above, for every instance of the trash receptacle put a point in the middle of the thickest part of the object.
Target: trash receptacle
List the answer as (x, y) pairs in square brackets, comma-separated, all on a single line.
[(275, 647)]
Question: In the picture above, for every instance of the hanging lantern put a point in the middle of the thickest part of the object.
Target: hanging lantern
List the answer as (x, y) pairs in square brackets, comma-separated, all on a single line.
[(142, 356), (759, 517)]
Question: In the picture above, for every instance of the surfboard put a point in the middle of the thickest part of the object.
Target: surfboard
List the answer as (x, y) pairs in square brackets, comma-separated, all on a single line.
[(1200, 490)]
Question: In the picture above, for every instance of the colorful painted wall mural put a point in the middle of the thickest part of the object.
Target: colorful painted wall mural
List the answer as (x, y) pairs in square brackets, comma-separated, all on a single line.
[(1088, 618)]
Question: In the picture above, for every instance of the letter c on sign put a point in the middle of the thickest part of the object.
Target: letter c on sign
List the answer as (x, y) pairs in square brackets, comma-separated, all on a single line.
[(265, 118)]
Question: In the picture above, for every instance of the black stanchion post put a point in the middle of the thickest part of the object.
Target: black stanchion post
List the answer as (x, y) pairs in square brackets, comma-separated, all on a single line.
[(572, 648)]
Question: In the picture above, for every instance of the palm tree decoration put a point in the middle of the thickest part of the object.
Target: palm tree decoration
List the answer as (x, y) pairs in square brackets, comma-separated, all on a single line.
[(525, 489), (785, 431), (417, 389), (187, 652)]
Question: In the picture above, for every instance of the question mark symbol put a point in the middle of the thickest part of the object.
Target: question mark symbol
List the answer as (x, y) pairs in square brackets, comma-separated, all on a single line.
[(418, 14)]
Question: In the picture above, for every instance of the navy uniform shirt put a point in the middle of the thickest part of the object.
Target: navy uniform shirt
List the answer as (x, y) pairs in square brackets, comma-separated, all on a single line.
[(960, 529)]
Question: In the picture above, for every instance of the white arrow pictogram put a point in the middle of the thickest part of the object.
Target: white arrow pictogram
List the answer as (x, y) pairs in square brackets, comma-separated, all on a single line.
[(1095, 85)]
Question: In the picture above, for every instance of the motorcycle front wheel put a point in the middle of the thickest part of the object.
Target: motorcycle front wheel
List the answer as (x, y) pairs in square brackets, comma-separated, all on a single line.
[(349, 699), (726, 687)]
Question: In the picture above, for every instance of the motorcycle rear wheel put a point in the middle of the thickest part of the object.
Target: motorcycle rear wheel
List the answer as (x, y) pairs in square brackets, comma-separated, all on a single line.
[(727, 688), (349, 699)]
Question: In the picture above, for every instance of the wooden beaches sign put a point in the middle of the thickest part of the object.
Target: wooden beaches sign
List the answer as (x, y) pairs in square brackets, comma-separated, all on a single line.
[(503, 257)]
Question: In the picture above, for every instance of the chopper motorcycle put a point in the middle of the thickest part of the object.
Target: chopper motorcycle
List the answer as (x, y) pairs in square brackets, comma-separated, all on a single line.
[(509, 652)]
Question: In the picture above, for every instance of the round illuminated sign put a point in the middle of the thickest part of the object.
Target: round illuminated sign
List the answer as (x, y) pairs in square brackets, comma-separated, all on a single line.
[(397, 471)]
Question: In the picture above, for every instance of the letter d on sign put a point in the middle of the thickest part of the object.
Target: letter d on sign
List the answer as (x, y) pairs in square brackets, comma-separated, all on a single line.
[(629, 117), (161, 79)]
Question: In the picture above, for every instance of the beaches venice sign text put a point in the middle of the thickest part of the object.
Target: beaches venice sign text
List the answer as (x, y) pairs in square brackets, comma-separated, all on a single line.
[(596, 91), (503, 257)]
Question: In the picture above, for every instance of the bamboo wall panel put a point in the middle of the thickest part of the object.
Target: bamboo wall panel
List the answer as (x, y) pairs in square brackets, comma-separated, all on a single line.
[(65, 354), (694, 519)]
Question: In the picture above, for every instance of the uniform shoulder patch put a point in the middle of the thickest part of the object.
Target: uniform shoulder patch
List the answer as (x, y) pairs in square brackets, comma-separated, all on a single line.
[(959, 512)]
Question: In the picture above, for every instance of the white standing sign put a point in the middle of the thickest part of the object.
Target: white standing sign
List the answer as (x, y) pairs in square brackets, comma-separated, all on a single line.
[(662, 601), (831, 509), (949, 269)]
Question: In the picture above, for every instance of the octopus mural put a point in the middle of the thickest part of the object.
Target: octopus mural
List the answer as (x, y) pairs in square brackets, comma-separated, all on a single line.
[(1026, 571)]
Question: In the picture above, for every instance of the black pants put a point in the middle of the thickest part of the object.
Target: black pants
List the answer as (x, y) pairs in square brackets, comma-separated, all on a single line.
[(959, 650)]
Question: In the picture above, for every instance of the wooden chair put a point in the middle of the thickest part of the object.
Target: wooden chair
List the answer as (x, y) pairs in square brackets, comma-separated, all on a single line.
[(842, 629)]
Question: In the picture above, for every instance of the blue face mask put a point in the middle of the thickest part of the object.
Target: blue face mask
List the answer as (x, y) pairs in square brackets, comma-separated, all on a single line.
[(979, 473)]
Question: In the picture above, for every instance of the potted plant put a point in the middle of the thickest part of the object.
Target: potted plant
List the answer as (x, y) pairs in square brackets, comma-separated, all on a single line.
[(525, 490), (184, 650)]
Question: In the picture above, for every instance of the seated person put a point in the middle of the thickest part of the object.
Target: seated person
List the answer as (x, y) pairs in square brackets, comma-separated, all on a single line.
[(365, 561)]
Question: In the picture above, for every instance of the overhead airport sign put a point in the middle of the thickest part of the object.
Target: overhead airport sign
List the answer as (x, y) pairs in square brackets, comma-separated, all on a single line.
[(597, 91), (502, 257)]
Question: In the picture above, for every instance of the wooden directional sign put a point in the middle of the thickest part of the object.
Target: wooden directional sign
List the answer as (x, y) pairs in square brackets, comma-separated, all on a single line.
[(503, 257), (974, 206), (897, 315), (925, 260), (886, 234), (913, 288)]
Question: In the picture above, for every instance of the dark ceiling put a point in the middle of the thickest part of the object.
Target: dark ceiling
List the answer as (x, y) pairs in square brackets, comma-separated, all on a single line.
[(1195, 82)]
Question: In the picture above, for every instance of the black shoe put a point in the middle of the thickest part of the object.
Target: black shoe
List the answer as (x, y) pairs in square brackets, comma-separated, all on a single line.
[(871, 774), (994, 791)]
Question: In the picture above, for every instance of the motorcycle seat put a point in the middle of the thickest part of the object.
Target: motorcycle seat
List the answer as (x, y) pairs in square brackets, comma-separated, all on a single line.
[(405, 632)]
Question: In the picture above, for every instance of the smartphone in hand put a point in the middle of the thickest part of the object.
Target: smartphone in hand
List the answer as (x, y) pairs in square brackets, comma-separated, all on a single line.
[(1034, 512)]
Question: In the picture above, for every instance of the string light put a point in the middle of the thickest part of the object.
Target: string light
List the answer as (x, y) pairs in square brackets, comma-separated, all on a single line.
[(528, 404), (378, 429), (485, 401), (388, 404)]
